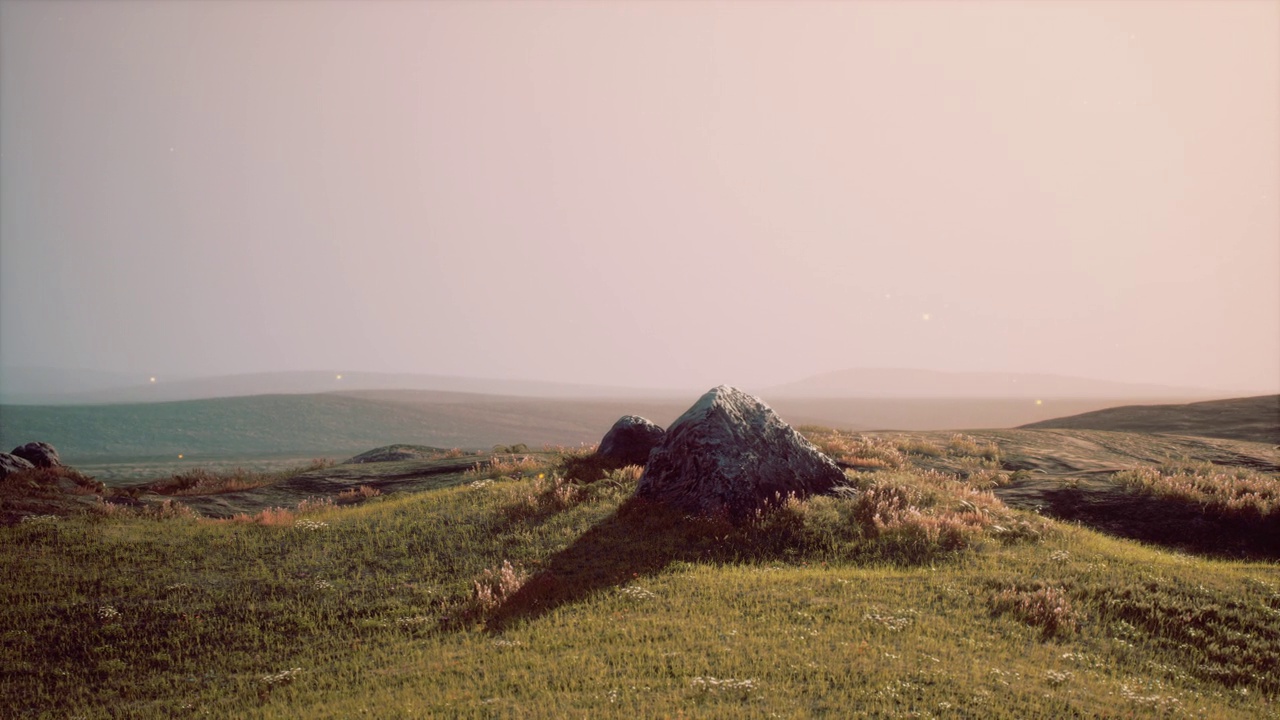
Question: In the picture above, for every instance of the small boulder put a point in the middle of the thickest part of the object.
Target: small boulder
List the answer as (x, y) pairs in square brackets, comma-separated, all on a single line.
[(630, 439), (10, 464), (40, 454), (730, 453)]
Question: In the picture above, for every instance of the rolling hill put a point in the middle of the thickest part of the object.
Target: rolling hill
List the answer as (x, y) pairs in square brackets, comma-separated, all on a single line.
[(1252, 418), (912, 383)]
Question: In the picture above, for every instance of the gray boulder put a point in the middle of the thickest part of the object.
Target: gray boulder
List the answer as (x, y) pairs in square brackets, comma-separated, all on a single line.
[(40, 454), (730, 453), (10, 464), (630, 440)]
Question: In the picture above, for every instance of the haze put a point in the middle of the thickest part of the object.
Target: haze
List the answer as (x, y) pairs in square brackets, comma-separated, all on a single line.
[(643, 194)]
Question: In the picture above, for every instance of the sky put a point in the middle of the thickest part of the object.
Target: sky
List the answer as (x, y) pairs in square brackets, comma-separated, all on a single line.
[(647, 194)]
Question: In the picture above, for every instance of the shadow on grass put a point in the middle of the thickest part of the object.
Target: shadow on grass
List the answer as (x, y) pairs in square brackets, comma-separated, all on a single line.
[(1105, 505), (639, 539)]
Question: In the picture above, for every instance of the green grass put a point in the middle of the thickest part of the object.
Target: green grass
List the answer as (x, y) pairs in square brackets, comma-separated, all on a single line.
[(918, 595)]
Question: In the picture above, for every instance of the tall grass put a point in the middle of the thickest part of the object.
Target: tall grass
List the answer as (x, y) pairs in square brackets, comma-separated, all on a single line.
[(1227, 491)]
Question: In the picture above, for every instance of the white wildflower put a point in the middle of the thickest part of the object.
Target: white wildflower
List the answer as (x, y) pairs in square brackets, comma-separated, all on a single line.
[(34, 519), (1056, 678), (711, 684), (284, 677)]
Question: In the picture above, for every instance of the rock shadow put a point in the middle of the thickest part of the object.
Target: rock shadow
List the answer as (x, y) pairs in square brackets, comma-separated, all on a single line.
[(638, 540)]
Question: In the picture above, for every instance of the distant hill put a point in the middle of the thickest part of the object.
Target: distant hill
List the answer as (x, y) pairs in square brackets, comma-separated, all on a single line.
[(1252, 418), (330, 425), (343, 424), (908, 383), (42, 384), (45, 386)]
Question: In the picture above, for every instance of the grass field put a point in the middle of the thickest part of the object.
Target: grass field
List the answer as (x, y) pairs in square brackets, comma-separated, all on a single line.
[(920, 595)]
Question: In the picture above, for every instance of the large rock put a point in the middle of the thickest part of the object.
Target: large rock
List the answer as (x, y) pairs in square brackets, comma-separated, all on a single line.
[(10, 464), (40, 454), (730, 453), (630, 440)]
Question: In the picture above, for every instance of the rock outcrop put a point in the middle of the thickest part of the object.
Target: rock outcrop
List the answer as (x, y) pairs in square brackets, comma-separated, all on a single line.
[(730, 453), (10, 464), (395, 453), (630, 439), (39, 454)]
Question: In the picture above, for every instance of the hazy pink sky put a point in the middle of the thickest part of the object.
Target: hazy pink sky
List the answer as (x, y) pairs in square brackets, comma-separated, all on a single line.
[(647, 193)]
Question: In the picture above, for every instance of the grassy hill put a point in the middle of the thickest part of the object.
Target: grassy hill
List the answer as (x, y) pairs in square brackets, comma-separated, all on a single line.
[(515, 590), (1254, 418)]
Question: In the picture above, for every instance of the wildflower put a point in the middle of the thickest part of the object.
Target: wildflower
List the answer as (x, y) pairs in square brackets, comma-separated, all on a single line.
[(283, 677), (1057, 678), (322, 585), (636, 592), (889, 621), (710, 684), (34, 519), (107, 613), (309, 525)]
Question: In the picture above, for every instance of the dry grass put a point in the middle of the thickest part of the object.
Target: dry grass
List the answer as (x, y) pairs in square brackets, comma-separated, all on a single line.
[(1232, 492), (49, 480), (352, 496), (495, 585), (965, 446), (1041, 606), (514, 466), (918, 446), (199, 481), (857, 451)]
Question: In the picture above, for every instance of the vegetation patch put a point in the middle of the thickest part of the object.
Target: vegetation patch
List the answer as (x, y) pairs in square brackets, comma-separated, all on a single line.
[(1238, 492), (1045, 607), (199, 481)]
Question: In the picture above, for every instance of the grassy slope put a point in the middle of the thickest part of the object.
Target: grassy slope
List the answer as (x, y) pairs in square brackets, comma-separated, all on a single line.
[(1254, 418), (635, 613)]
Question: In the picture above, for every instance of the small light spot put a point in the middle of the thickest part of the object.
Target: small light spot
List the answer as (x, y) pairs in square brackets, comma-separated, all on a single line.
[(153, 379), (925, 317), (338, 377), (179, 456), (1039, 402)]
